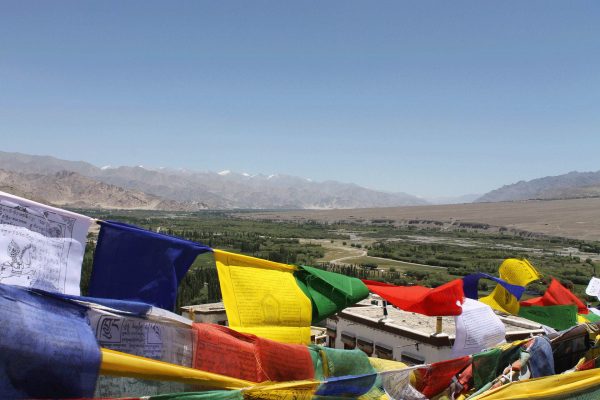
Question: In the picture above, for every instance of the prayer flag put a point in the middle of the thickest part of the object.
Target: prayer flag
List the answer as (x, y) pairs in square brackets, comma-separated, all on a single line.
[(329, 292), (443, 300), (590, 317), (516, 272), (224, 351), (262, 298), (436, 377), (471, 281), (127, 306), (338, 362), (593, 287), (477, 328), (347, 373), (557, 294), (132, 263), (485, 367), (541, 361), (500, 299), (126, 365), (159, 340), (559, 317), (351, 386), (47, 349), (396, 384), (575, 385), (41, 246), (297, 390), (208, 395)]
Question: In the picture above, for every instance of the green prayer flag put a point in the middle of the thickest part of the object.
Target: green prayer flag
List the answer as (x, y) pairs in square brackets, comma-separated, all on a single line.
[(338, 362), (347, 373), (558, 317), (315, 355), (485, 367), (591, 317), (329, 292)]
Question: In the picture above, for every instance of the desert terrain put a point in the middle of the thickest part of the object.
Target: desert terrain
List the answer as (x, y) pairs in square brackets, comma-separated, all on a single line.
[(573, 218)]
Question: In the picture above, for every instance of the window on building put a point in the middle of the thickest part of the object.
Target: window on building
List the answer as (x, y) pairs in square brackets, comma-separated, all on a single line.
[(411, 358), (349, 340), (365, 345), (384, 351), (331, 333)]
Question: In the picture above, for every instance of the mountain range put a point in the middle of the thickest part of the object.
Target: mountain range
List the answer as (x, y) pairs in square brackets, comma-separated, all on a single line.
[(81, 184), (567, 186), (70, 189)]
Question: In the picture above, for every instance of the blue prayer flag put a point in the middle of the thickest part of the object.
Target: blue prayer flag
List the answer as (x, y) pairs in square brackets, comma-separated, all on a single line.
[(132, 263), (470, 285), (136, 308), (47, 349), (541, 360), (345, 386)]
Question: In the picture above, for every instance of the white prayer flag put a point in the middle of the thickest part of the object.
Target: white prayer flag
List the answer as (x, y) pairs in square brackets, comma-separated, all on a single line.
[(41, 246), (163, 339), (477, 328), (593, 288), (396, 384)]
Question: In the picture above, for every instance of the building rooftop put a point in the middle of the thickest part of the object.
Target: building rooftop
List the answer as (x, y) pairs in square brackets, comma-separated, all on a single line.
[(425, 326), (205, 308)]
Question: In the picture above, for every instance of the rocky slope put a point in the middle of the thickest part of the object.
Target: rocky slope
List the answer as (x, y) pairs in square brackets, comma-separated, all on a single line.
[(224, 190), (567, 186), (70, 189)]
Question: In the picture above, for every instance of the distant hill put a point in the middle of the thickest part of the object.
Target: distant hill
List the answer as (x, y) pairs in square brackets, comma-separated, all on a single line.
[(567, 186), (223, 190), (70, 189)]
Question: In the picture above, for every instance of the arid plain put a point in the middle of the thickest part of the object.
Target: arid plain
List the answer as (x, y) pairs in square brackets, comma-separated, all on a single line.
[(573, 218)]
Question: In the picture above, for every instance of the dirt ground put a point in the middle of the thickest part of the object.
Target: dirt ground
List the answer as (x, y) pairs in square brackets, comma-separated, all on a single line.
[(575, 218)]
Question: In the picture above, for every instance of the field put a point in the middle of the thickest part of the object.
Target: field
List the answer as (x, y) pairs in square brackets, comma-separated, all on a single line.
[(428, 251)]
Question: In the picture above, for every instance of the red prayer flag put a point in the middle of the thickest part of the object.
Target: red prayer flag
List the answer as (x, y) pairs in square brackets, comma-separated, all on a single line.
[(589, 364), (224, 351), (438, 376), (443, 300), (557, 295)]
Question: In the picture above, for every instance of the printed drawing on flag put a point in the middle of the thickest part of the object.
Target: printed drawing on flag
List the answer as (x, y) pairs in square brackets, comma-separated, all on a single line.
[(40, 246)]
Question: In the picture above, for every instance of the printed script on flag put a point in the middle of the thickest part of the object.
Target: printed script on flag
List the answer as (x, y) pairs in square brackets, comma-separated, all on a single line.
[(262, 298), (477, 328), (40, 246)]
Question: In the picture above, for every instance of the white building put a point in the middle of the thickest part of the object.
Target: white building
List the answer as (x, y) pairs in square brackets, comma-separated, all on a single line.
[(211, 313), (405, 336)]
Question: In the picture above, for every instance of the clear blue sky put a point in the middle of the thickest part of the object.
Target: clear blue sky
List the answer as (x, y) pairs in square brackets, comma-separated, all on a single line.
[(431, 98)]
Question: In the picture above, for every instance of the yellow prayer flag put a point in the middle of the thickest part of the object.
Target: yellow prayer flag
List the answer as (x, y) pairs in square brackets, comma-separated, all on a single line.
[(580, 384), (381, 364), (297, 390), (262, 298), (502, 300), (127, 365), (581, 319), (516, 272)]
